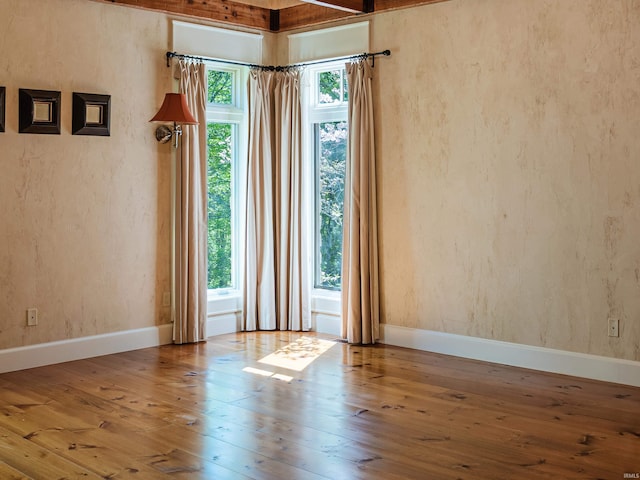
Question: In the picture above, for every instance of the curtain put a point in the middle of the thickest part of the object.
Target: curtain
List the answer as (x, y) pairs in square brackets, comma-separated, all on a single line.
[(259, 270), (292, 279), (275, 273), (360, 288), (190, 254)]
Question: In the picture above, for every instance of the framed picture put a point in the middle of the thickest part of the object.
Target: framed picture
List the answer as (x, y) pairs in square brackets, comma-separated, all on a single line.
[(91, 114), (39, 111), (2, 104)]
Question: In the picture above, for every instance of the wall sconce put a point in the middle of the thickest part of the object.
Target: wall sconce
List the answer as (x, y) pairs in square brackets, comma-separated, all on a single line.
[(174, 109)]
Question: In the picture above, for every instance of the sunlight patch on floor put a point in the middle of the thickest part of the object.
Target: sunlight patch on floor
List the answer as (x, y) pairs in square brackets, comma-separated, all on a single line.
[(298, 355), (267, 373)]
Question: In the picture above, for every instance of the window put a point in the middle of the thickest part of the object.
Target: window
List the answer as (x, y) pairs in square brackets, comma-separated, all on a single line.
[(220, 142), (328, 123), (225, 126)]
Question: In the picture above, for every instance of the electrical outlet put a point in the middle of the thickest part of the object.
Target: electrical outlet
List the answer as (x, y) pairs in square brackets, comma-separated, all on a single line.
[(32, 317), (613, 327), (166, 299)]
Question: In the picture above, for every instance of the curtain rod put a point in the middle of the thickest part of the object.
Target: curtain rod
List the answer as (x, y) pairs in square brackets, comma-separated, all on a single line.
[(170, 55)]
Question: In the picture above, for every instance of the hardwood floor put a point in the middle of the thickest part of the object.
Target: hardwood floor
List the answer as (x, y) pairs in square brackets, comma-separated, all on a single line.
[(214, 411)]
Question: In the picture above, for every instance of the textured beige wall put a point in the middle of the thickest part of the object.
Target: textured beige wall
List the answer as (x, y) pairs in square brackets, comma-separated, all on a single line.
[(509, 170), (84, 234)]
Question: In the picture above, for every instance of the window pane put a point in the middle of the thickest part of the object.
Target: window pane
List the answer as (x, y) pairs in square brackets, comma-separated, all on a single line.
[(329, 87), (345, 89), (331, 152), (220, 142), (220, 87)]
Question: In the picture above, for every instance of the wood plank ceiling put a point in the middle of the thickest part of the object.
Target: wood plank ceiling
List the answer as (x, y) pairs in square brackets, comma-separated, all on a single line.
[(270, 15)]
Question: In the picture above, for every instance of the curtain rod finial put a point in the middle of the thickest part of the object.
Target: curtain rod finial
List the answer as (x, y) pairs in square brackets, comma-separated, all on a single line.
[(170, 55)]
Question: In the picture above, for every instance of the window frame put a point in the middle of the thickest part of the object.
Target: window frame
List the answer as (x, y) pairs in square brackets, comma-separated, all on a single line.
[(235, 114), (318, 113)]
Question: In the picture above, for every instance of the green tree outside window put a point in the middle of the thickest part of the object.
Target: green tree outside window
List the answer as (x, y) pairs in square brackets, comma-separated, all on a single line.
[(331, 154), (219, 181)]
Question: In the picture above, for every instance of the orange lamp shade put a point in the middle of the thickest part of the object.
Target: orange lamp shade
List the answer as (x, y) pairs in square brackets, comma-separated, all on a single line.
[(174, 109)]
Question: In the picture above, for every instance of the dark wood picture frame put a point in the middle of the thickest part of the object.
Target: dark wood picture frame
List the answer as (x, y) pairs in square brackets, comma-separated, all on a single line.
[(91, 114), (3, 96), (39, 111)]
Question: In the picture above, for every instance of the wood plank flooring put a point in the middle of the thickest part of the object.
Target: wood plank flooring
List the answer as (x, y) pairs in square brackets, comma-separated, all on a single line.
[(214, 411)]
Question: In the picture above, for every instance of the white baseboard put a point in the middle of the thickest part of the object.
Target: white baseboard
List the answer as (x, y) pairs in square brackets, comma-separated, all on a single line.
[(224, 323), (31, 356), (327, 323), (536, 358)]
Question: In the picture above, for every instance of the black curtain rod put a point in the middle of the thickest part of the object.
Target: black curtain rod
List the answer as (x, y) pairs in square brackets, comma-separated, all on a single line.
[(170, 55)]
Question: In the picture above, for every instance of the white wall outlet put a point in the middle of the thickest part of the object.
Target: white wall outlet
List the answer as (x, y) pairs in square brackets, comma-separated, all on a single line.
[(613, 327), (166, 299), (32, 317)]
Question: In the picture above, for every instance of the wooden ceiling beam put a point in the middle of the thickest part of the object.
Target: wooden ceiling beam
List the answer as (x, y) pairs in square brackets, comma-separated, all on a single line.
[(308, 14), (226, 11), (305, 15), (382, 5), (234, 12), (350, 6)]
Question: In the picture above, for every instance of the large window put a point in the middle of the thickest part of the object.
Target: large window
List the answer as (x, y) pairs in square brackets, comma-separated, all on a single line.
[(224, 125), (328, 116)]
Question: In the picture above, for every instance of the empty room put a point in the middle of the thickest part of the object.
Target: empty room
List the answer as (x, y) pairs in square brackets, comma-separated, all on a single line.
[(300, 239)]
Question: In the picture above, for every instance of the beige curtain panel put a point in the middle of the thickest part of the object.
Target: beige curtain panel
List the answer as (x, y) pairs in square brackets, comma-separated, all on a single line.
[(191, 212), (259, 268), (360, 286), (292, 269), (275, 265)]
